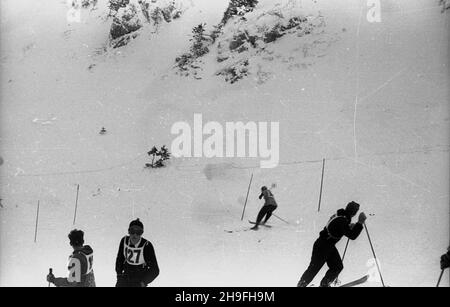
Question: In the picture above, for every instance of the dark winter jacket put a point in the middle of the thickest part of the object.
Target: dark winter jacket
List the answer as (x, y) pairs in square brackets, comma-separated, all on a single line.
[(132, 266), (80, 269), (340, 225), (445, 261), (269, 199)]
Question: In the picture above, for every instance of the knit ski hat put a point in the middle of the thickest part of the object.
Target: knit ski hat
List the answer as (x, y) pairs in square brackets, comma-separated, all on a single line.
[(352, 207), (263, 188), (137, 223)]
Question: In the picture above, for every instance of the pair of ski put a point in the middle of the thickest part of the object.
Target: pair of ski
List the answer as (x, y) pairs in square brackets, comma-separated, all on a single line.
[(247, 229), (356, 282), (254, 223)]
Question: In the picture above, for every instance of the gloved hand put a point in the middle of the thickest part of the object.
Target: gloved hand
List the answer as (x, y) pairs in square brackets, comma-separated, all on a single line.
[(445, 261), (261, 196), (362, 218), (50, 278)]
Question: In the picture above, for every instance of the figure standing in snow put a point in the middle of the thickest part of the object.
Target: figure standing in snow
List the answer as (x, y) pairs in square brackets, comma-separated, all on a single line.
[(445, 260), (136, 264), (80, 273), (324, 249), (269, 206)]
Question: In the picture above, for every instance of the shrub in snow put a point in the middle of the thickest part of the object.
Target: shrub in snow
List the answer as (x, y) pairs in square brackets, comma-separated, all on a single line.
[(164, 11), (116, 5), (170, 12), (200, 46), (156, 16), (184, 61), (123, 40), (85, 4), (125, 22), (238, 8), (235, 72), (161, 155), (281, 28), (273, 34), (239, 42), (200, 41), (88, 3)]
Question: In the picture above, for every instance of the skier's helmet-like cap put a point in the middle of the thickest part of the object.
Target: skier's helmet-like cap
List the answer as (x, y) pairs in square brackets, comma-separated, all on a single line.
[(264, 188), (76, 237), (352, 208), (136, 226)]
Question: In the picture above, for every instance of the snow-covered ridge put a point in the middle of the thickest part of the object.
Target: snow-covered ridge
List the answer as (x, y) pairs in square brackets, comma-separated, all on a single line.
[(251, 34), (130, 16)]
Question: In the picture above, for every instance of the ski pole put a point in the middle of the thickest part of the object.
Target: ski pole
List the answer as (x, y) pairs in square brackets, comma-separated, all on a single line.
[(336, 281), (50, 272), (76, 205), (440, 276), (280, 218), (37, 219), (345, 250), (375, 256), (321, 185)]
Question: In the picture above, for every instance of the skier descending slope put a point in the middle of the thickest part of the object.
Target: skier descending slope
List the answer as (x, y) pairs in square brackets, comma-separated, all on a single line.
[(269, 206), (324, 249), (80, 264), (136, 264)]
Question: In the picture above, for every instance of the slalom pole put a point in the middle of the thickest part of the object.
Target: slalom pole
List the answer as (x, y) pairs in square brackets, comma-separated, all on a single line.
[(321, 184), (440, 276), (246, 198), (373, 251), (345, 250), (37, 219), (336, 281), (76, 205)]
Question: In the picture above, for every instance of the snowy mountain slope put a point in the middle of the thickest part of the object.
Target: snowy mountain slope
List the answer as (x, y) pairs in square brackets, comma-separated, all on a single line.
[(372, 99)]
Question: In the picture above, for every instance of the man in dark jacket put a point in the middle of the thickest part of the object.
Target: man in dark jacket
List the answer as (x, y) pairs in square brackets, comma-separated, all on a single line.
[(136, 264), (80, 272), (324, 249), (269, 206)]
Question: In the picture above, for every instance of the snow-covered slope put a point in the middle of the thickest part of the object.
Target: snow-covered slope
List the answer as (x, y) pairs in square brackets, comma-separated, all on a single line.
[(370, 98)]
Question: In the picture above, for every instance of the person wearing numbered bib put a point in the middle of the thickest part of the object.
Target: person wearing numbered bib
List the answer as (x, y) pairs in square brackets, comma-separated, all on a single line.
[(270, 205), (80, 270), (324, 249), (136, 264)]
